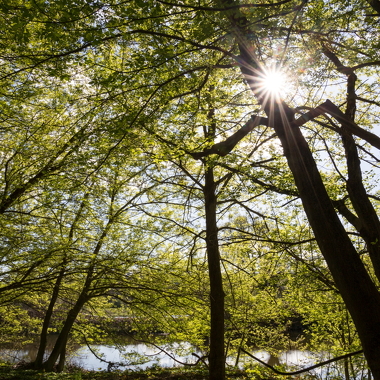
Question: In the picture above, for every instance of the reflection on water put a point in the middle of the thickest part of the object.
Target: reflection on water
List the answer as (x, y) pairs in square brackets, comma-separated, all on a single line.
[(133, 355)]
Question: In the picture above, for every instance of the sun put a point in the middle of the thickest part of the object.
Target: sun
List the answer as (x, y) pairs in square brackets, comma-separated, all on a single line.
[(273, 82)]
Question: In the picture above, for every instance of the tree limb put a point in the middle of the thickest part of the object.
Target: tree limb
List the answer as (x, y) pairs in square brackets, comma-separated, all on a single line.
[(330, 108), (225, 147), (305, 369)]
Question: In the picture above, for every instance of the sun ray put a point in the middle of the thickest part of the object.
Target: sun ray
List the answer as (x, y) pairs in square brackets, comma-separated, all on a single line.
[(273, 82)]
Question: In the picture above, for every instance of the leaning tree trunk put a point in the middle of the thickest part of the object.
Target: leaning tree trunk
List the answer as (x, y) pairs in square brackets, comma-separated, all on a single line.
[(38, 363), (60, 344), (353, 281), (62, 358), (356, 287)]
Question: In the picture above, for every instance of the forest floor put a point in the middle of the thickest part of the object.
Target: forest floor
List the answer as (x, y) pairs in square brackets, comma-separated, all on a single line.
[(12, 373)]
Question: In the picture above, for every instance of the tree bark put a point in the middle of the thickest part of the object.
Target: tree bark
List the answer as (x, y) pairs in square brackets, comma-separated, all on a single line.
[(369, 224), (353, 281), (38, 363), (63, 336), (217, 355), (358, 291), (62, 358)]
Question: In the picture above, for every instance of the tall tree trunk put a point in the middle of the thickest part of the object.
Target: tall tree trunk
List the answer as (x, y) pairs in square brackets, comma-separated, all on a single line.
[(217, 354), (369, 221), (353, 281), (358, 291), (62, 358), (369, 226)]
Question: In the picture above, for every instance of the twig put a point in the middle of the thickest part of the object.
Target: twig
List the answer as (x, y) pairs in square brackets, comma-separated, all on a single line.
[(305, 369)]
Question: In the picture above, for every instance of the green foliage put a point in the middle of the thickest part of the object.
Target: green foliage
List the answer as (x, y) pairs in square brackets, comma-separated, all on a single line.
[(152, 374), (103, 105)]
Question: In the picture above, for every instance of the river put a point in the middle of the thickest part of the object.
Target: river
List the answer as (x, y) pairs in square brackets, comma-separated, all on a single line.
[(135, 355)]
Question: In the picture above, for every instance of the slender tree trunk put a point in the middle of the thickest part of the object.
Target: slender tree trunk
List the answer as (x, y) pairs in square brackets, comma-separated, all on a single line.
[(60, 344), (369, 221), (38, 364), (62, 358), (49, 312), (217, 355), (63, 336), (369, 226)]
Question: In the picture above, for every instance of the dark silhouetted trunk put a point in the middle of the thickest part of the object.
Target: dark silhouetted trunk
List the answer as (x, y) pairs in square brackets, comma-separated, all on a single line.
[(45, 326), (62, 358), (356, 287), (60, 344), (217, 355), (353, 281)]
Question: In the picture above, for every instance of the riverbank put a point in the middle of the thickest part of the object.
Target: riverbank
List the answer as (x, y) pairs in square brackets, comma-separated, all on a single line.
[(11, 373)]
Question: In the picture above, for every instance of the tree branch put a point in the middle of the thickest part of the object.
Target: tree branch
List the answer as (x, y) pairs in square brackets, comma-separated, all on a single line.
[(330, 108), (225, 147), (305, 369)]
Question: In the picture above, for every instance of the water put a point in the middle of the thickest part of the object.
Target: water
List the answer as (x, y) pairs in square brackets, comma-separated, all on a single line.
[(134, 355), (87, 360)]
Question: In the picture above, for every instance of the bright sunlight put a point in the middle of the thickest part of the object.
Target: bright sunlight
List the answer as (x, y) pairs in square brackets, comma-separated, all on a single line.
[(274, 82)]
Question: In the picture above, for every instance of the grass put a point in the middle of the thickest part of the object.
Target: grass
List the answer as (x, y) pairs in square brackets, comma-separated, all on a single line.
[(10, 373)]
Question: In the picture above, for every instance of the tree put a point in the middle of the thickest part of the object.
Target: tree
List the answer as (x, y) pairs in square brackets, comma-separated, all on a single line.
[(143, 69), (350, 275), (101, 264)]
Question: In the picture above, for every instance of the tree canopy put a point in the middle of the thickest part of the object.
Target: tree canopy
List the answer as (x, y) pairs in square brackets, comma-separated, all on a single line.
[(214, 160)]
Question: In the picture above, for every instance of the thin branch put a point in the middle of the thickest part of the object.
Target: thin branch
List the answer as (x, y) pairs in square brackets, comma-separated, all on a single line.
[(215, 9), (305, 369)]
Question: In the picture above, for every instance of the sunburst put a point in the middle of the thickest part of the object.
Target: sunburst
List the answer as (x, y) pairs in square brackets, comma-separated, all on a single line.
[(273, 82)]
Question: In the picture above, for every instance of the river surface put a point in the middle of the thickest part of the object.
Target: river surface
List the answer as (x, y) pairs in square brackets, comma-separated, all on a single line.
[(135, 355)]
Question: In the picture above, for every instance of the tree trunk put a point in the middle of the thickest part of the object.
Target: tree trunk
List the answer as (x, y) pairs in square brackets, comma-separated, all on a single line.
[(369, 221), (43, 338), (353, 281), (358, 291), (49, 312), (217, 355), (63, 336), (62, 358)]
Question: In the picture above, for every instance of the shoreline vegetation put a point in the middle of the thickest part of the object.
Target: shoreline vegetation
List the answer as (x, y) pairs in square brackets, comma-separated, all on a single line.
[(9, 372)]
